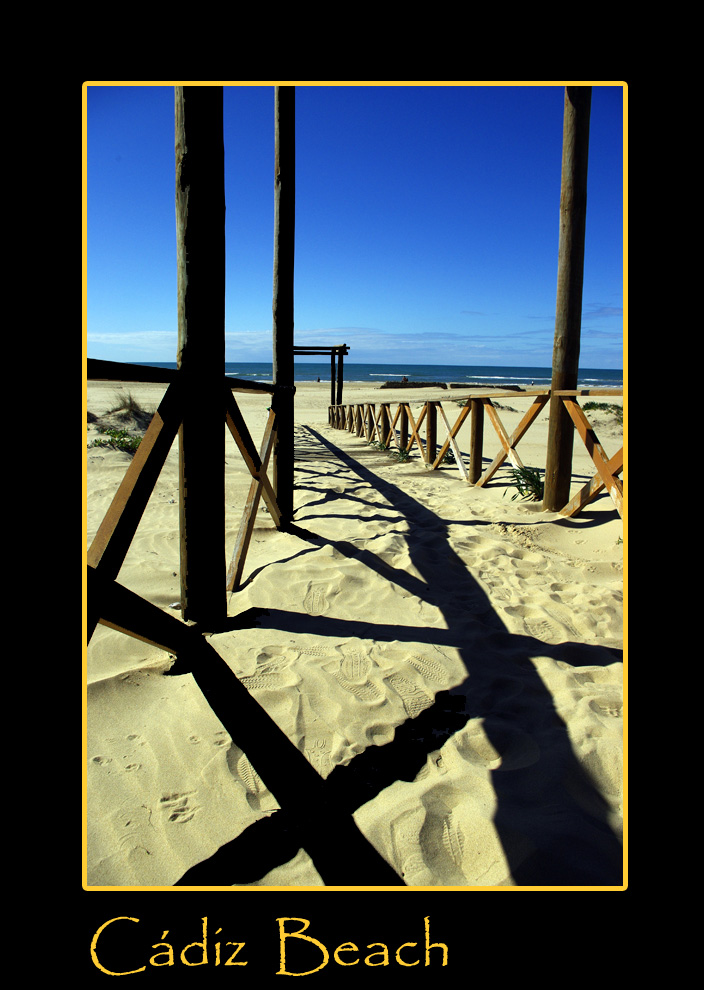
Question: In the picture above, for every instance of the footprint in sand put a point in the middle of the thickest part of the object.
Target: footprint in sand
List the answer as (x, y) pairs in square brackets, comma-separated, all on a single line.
[(414, 700), (273, 669), (407, 852), (315, 602), (179, 807)]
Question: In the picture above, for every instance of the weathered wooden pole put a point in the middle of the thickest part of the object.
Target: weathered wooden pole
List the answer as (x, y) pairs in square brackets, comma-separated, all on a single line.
[(340, 376), (332, 378), (570, 276), (431, 433), (284, 244), (476, 440), (200, 239)]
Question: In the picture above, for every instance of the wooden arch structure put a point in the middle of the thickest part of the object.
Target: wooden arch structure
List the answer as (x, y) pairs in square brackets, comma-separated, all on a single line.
[(336, 376)]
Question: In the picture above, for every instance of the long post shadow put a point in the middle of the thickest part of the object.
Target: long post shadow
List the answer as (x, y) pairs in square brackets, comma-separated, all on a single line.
[(502, 687), (580, 848)]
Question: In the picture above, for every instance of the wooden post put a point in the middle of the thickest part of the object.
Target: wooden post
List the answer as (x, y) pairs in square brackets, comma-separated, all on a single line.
[(476, 440), (332, 378), (340, 354), (284, 241), (431, 433), (200, 230), (403, 428), (570, 276)]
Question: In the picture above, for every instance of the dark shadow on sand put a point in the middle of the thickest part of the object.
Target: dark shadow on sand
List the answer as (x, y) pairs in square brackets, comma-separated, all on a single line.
[(502, 687)]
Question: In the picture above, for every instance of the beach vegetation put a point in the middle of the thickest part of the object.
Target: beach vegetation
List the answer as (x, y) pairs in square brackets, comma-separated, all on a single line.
[(529, 483), (612, 408), (118, 440), (127, 409)]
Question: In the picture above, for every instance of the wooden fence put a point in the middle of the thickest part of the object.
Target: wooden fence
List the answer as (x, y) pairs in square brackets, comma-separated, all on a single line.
[(376, 423), (112, 541)]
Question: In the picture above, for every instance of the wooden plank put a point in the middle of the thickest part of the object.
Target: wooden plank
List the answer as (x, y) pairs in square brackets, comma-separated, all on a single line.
[(200, 255), (415, 427), (431, 433), (359, 419), (403, 428), (118, 371), (240, 433), (596, 452), (476, 440), (502, 434), (393, 432), (282, 309), (115, 533), (511, 442), (451, 434), (244, 536), (570, 278), (593, 487), (369, 422), (340, 377)]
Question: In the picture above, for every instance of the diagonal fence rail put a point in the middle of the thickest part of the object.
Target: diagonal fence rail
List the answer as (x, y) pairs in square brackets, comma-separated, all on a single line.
[(377, 423)]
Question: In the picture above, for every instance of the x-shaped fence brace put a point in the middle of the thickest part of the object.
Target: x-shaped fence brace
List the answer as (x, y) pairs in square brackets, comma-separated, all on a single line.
[(296, 785), (362, 418), (112, 541)]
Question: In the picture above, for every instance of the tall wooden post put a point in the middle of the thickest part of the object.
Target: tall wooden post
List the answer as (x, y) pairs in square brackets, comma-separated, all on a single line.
[(332, 378), (340, 375), (476, 440), (570, 276), (431, 433), (284, 242), (200, 238)]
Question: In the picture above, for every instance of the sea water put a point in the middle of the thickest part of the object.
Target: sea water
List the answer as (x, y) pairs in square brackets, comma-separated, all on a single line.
[(386, 371)]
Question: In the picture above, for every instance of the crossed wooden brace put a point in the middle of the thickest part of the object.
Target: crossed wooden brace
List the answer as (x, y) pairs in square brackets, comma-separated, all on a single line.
[(115, 533)]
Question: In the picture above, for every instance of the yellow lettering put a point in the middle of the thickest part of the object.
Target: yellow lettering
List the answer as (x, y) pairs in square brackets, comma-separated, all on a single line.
[(240, 945), (384, 955), (283, 935), (345, 947), (94, 953), (204, 956), (169, 952), (434, 945), (399, 960)]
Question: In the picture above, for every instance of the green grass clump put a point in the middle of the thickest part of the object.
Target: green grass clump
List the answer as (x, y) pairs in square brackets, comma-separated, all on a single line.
[(607, 407), (529, 484), (119, 440)]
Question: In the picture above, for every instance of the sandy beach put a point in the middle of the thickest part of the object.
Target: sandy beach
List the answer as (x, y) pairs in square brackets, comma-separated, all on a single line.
[(447, 657)]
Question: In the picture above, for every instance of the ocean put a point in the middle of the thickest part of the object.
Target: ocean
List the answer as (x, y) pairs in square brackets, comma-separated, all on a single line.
[(462, 374)]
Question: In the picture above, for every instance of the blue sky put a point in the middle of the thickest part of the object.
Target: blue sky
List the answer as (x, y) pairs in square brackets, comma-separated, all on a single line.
[(426, 223)]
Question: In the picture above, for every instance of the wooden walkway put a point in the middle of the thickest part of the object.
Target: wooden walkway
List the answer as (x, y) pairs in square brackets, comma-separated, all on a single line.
[(377, 422)]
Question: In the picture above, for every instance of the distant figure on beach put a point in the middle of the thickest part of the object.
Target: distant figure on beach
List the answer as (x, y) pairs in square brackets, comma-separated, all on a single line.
[(404, 379), (318, 377)]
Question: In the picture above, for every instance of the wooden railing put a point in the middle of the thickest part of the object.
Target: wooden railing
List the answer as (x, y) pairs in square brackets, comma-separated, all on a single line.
[(376, 423), (115, 533)]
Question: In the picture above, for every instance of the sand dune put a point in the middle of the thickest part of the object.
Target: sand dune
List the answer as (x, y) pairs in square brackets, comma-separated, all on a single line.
[(447, 658)]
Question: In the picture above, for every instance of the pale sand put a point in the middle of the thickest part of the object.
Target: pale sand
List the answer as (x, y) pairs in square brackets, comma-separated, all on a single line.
[(398, 584)]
